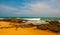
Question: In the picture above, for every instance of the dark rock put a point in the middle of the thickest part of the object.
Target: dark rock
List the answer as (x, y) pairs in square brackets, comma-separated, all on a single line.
[(26, 25), (54, 29), (42, 27)]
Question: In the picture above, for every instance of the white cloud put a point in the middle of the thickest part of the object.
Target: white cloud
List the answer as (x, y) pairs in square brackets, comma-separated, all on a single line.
[(37, 8), (40, 9), (4, 7)]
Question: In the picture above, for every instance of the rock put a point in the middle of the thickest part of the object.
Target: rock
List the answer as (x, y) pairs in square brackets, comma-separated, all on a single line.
[(54, 29), (42, 27), (26, 25), (56, 23)]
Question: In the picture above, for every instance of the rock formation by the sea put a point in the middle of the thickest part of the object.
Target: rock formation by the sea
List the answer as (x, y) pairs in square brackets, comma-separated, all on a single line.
[(53, 26)]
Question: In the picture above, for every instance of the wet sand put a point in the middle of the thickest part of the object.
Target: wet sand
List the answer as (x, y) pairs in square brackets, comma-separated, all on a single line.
[(24, 31)]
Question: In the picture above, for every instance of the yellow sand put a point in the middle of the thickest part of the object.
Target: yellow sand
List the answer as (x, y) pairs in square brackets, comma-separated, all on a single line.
[(23, 31)]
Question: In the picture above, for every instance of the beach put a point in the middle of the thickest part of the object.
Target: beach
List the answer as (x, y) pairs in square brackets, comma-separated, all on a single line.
[(23, 31)]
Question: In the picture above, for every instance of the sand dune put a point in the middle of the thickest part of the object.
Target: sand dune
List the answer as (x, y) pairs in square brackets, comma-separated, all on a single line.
[(24, 31)]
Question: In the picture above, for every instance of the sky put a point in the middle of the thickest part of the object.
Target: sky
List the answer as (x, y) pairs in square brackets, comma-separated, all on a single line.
[(29, 8)]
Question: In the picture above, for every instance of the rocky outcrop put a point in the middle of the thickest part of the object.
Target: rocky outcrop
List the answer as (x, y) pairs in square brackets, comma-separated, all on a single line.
[(53, 26), (42, 27)]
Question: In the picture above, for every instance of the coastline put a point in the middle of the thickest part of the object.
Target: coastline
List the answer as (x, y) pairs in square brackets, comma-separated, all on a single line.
[(24, 31)]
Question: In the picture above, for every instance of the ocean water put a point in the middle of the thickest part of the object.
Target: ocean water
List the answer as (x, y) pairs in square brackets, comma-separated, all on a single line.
[(42, 18)]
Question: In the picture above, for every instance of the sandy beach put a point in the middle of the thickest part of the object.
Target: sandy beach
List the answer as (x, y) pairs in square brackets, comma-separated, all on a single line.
[(23, 31)]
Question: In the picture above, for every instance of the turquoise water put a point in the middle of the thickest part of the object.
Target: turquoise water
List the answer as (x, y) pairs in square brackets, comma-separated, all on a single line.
[(50, 18), (42, 18)]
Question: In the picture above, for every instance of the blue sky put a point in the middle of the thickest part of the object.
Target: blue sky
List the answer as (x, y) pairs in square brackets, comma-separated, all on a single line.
[(29, 8)]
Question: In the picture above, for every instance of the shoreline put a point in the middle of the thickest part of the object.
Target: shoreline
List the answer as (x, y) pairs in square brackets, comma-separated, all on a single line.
[(24, 31)]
